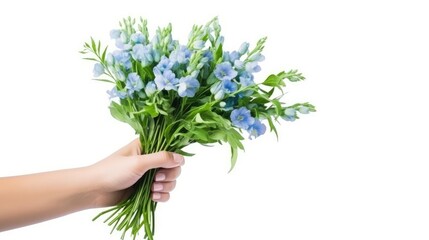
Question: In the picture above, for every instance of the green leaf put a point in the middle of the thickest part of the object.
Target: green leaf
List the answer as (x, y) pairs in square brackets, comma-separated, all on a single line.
[(234, 156), (151, 110), (219, 53), (294, 76), (275, 80), (121, 114), (186, 154), (103, 56), (277, 105), (93, 46), (91, 59), (118, 112), (200, 134), (271, 124), (218, 135), (103, 80), (260, 100)]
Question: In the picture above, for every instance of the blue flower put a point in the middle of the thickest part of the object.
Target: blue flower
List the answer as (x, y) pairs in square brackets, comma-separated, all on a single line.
[(243, 48), (304, 110), (219, 89), (239, 65), (138, 38), (98, 70), (208, 54), (110, 59), (246, 79), (256, 129), (167, 80), (115, 34), (134, 83), (188, 86), (120, 75), (199, 44), (164, 64), (150, 88), (252, 67), (122, 45), (180, 55), (123, 58), (229, 86), (231, 57), (225, 72), (241, 118), (258, 57), (115, 93), (144, 54), (290, 114)]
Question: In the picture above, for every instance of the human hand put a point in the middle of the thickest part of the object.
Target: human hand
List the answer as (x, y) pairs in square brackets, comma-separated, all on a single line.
[(117, 174)]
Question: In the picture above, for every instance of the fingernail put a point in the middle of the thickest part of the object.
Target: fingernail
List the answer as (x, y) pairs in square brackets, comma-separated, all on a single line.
[(160, 177), (156, 196), (178, 158), (157, 187)]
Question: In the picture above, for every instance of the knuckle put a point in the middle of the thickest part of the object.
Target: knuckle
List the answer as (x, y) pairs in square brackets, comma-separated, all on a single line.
[(166, 155)]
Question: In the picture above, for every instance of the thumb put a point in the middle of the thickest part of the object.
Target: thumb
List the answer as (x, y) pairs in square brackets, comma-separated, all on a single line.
[(161, 160)]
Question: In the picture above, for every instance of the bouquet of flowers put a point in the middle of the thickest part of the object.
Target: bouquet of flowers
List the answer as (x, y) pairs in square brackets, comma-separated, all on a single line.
[(174, 95)]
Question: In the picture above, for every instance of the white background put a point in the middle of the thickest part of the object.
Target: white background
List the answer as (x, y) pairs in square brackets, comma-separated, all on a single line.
[(356, 169)]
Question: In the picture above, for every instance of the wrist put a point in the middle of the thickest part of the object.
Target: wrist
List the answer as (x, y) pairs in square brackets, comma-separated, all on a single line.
[(88, 187)]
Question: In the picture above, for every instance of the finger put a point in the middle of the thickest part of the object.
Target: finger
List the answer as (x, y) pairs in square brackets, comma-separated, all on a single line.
[(161, 160), (160, 197), (168, 175), (163, 187)]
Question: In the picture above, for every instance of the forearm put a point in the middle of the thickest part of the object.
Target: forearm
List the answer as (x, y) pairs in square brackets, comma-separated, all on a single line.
[(38, 197)]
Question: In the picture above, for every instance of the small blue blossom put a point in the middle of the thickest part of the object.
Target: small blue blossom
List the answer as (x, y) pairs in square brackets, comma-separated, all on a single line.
[(121, 45), (123, 58), (208, 54), (304, 109), (115, 34), (290, 114), (180, 55), (219, 89), (114, 93), (167, 81), (219, 41), (98, 70), (150, 88), (138, 38), (252, 67), (258, 57), (243, 48), (144, 54), (231, 57), (134, 83), (239, 65), (256, 129), (110, 59), (188, 86), (229, 86), (246, 79), (225, 72), (164, 64), (241, 118), (199, 44), (120, 75)]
